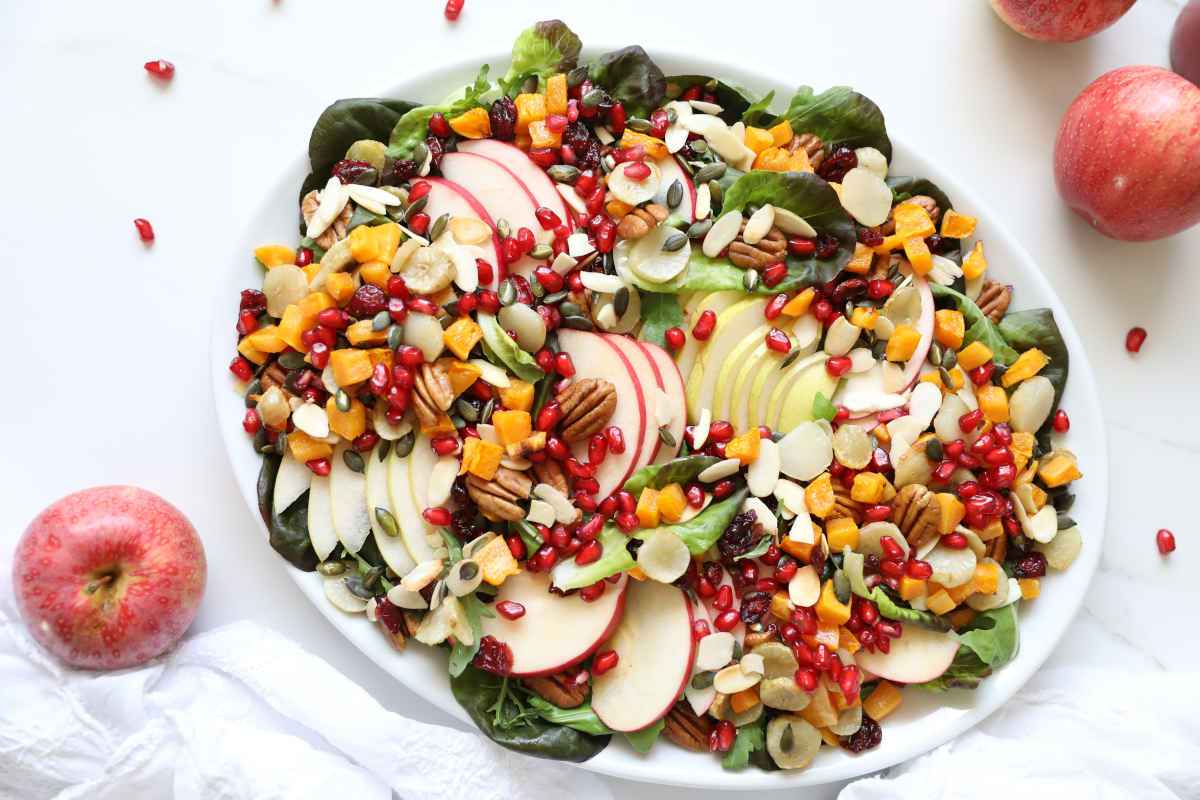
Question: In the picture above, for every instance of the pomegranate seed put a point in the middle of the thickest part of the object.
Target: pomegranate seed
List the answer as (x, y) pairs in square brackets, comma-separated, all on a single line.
[(727, 621), (438, 125), (920, 570), (822, 310), (597, 449), (444, 445), (251, 421), (486, 276), (705, 325), (891, 630), (606, 237), (319, 355), (1135, 339), (516, 547), (557, 449), (778, 341), (1165, 541), (1062, 423), (559, 536), (1003, 434), (365, 442), (892, 569), (419, 223), (616, 119), (303, 257), (637, 171), (402, 377), (721, 739), (453, 9), (775, 307), (659, 122), (626, 501), (545, 558), (724, 600), (943, 471), (589, 553), (774, 274), (549, 416), (160, 69), (604, 661), (1001, 455), (145, 229), (892, 550), (880, 460), (437, 516), (806, 679), (970, 421), (590, 594), (722, 490), (695, 495), (877, 513), (247, 322), (700, 629), (704, 588), (563, 365), (547, 218), (798, 246), (418, 190), (579, 470), (590, 529), (627, 521), (510, 609), (879, 289), (675, 338), (720, 431), (319, 466), (837, 366), (786, 571), (955, 541), (1000, 477), (982, 374)]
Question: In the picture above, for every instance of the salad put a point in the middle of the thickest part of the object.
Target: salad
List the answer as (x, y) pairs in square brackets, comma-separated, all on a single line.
[(664, 409)]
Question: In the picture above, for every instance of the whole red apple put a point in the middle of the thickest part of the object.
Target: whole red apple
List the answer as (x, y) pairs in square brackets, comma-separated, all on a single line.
[(1127, 157), (109, 577), (1060, 20), (1185, 43)]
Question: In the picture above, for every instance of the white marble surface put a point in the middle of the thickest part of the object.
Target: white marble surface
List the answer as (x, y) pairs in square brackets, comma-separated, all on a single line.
[(106, 352)]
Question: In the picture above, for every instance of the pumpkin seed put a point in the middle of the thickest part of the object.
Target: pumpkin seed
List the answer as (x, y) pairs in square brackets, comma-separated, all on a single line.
[(292, 360), (675, 194), (395, 337), (261, 445), (563, 173), (508, 293), (638, 124), (933, 451), (947, 379), (710, 172), (577, 76), (381, 321), (457, 420), (371, 577), (331, 568), (674, 242), (789, 358), (438, 227), (468, 571), (415, 209), (750, 282), (342, 400), (787, 739), (357, 587), (503, 228), (716, 193), (698, 146), (281, 443), (466, 410), (935, 355), (255, 387), (593, 98), (697, 230), (404, 445), (353, 460), (608, 164), (387, 521), (578, 323), (537, 290), (541, 252), (672, 116), (949, 359), (385, 447), (621, 301), (485, 416), (702, 680), (420, 153), (879, 350), (567, 308), (664, 436), (554, 298), (1065, 522), (737, 651)]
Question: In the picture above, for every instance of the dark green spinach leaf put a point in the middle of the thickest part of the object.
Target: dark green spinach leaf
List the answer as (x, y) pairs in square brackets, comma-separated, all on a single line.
[(581, 718), (679, 470), (631, 77), (644, 739), (460, 654), (659, 312), (733, 100), (840, 116), (1037, 328), (344, 123), (979, 327), (288, 531)]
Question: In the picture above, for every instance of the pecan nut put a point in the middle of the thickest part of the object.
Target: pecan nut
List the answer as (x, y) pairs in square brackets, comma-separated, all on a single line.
[(640, 221), (275, 375), (686, 729), (586, 405), (767, 251), (994, 299), (998, 548), (551, 472), (562, 689), (812, 145), (432, 393), (335, 232), (845, 505), (917, 514), (497, 498)]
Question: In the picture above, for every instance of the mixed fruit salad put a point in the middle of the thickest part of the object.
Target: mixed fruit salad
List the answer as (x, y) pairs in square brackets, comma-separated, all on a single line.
[(666, 410)]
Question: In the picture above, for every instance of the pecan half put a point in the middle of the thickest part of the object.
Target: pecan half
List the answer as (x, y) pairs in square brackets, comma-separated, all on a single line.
[(754, 638), (845, 505), (998, 548), (432, 393), (587, 405), (336, 231), (812, 145), (551, 472), (275, 375), (562, 689), (497, 498), (641, 220), (924, 201), (770, 249), (916, 512), (994, 299), (687, 730)]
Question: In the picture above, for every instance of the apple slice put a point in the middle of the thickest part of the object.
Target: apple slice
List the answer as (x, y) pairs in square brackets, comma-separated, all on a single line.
[(671, 382), (320, 518), (655, 652), (686, 357), (392, 548), (671, 171), (734, 324), (291, 481), (518, 163), (791, 401), (555, 632), (447, 197), (646, 375), (596, 357), (348, 499), (500, 193), (919, 655), (414, 530), (738, 357)]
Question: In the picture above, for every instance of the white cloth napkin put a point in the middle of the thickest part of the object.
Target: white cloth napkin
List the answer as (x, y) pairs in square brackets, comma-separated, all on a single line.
[(1068, 734), (230, 715)]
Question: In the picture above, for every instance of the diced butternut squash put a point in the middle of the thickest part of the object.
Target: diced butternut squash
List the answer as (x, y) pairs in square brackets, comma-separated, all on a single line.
[(1022, 449), (829, 737), (912, 221), (779, 159), (830, 609), (248, 350), (347, 424), (957, 226), (903, 343), (636, 573), (986, 578), (864, 317), (744, 700), (974, 265), (274, 255), (888, 245), (744, 447), (841, 532), (380, 355), (828, 634), (363, 245), (443, 427), (1027, 365), (868, 487), (961, 617), (781, 133), (993, 402), (530, 108), (671, 502), (363, 332), (518, 396), (655, 148), (1030, 587), (960, 592), (496, 561), (848, 641), (305, 448), (918, 255), (781, 606), (556, 94), (911, 587), (974, 355), (375, 273), (882, 701), (758, 139), (647, 508), (311, 271), (512, 426), (617, 208), (312, 304), (798, 305), (480, 458), (940, 603), (522, 140), (949, 328), (951, 511), (291, 325), (860, 262), (340, 286), (957, 379), (472, 124), (818, 496), (798, 550), (387, 240), (267, 339), (461, 374), (1059, 470), (540, 135), (463, 334), (820, 712), (350, 366)]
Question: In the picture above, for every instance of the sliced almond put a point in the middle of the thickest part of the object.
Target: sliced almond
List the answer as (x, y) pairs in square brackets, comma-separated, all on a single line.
[(700, 431), (753, 664), (601, 282), (374, 200), (793, 224), (490, 374), (714, 651), (572, 197), (734, 679), (806, 451), (842, 335), (719, 471), (540, 513), (333, 199), (861, 359), (311, 419), (705, 107), (866, 197), (422, 575), (526, 324), (804, 589), (924, 402), (759, 224), (791, 496), (722, 233), (563, 263), (763, 473), (564, 512), (703, 202), (405, 598)]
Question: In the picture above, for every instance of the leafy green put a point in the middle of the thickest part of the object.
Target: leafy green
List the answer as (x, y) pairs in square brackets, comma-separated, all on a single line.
[(644, 739), (904, 188), (347, 121), (659, 312), (507, 352), (760, 547), (460, 654), (497, 707), (581, 718), (413, 127), (734, 101), (750, 739), (822, 408), (989, 642), (1037, 328), (840, 116), (287, 530), (966, 671), (679, 470), (980, 328), (615, 558), (631, 77), (892, 610), (702, 531), (759, 112), (364, 216), (541, 50)]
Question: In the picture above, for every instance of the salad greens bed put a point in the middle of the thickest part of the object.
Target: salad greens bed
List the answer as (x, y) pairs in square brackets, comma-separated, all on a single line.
[(665, 409)]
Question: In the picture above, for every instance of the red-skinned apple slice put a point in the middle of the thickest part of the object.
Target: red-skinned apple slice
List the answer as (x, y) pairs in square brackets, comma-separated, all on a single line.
[(447, 197), (555, 632), (518, 163), (671, 382), (499, 191), (646, 374), (912, 370), (654, 658), (671, 171), (596, 357), (919, 655)]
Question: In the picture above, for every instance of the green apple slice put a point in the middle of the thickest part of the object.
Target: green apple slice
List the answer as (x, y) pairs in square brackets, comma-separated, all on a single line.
[(392, 548), (734, 324), (797, 401), (731, 367), (414, 530), (699, 303), (320, 518)]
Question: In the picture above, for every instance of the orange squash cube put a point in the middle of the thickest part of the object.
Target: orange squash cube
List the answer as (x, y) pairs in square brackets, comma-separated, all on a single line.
[(774, 159), (940, 603), (888, 245), (903, 343), (267, 340), (798, 306), (986, 579), (841, 532), (530, 108), (819, 497), (556, 94), (274, 255), (1030, 587), (949, 328), (830, 609), (993, 402), (864, 317), (246, 349), (363, 332), (974, 355), (647, 508), (911, 587), (912, 221), (472, 124), (820, 712), (781, 606), (655, 148), (512, 426), (918, 255), (744, 447), (463, 334), (480, 458), (848, 641), (340, 286), (350, 366), (952, 512), (974, 265), (758, 139), (375, 273), (347, 424), (957, 226), (882, 701), (798, 550), (517, 396), (860, 262), (1027, 365), (461, 374), (363, 245), (744, 700), (1059, 470), (305, 448), (540, 135), (868, 487), (781, 133), (671, 502)]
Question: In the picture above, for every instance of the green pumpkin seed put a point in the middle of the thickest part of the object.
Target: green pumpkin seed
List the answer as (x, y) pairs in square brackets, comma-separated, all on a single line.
[(638, 124), (664, 436), (385, 447), (503, 228), (466, 410), (404, 445), (675, 194), (697, 230), (879, 350), (261, 445), (438, 227), (1065, 522), (281, 443), (417, 207), (395, 337), (935, 355), (621, 301), (578, 323), (698, 146), (537, 290), (457, 420), (371, 577), (292, 360), (569, 309), (593, 98), (541, 253), (787, 739), (554, 298), (357, 587), (711, 172), (253, 388), (577, 76), (674, 242), (381, 321), (947, 379), (672, 116), (750, 280), (387, 521), (933, 451), (354, 460), (716, 192), (788, 359), (563, 173), (331, 568), (703, 680), (485, 416), (420, 153), (737, 651), (608, 164), (949, 359), (342, 400), (508, 293)]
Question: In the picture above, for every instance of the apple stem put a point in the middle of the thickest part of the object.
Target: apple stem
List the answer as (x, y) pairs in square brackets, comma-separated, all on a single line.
[(100, 582)]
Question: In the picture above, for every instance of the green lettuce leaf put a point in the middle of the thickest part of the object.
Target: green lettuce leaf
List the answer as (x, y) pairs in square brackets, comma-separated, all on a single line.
[(679, 470), (1037, 328), (346, 122), (840, 116), (413, 127), (632, 77), (989, 642), (644, 739), (750, 739), (540, 51), (735, 101), (967, 671), (461, 655), (615, 558), (979, 327), (581, 718), (892, 610), (702, 531), (659, 312), (507, 352)]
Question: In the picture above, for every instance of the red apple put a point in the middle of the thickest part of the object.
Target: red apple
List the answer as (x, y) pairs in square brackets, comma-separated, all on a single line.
[(1185, 43), (1060, 20), (109, 577), (1127, 157)]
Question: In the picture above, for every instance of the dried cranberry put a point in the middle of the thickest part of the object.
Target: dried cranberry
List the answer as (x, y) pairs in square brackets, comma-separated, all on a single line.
[(253, 300), (348, 171), (437, 149), (401, 171), (576, 136), (739, 537), (754, 606), (827, 246), (939, 244), (368, 300), (865, 738), (871, 237), (494, 656), (841, 161), (503, 117), (390, 615), (1031, 565)]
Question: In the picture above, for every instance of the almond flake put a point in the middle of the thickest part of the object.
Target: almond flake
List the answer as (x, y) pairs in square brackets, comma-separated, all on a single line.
[(333, 199), (601, 282), (866, 197), (373, 199), (700, 432), (793, 224), (572, 197), (578, 245), (540, 513), (422, 575), (564, 512), (705, 107), (311, 419), (719, 471), (759, 224), (563, 263), (722, 233), (703, 202)]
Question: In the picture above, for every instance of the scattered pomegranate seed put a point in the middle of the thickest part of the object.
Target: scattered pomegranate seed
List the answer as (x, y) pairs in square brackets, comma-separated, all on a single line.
[(438, 125), (627, 521), (160, 69), (921, 570), (722, 490), (145, 229), (597, 449), (563, 365), (1135, 339), (806, 678), (1165, 541), (877, 513), (510, 609), (700, 629), (955, 541), (251, 421), (705, 325), (774, 274), (604, 661), (822, 310), (637, 171), (444, 445), (879, 289), (1062, 423), (727, 621), (453, 9), (557, 448), (675, 338), (437, 516), (721, 739), (419, 223), (549, 416), (778, 341), (837, 366), (801, 247), (970, 421), (319, 466), (589, 553), (775, 307), (516, 546)]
